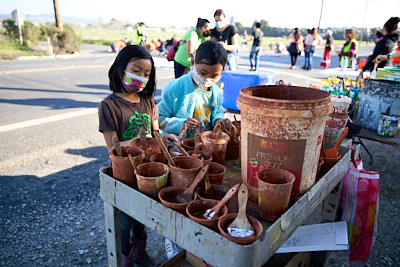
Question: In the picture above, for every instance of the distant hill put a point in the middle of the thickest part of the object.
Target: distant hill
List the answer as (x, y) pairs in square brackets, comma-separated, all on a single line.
[(43, 18)]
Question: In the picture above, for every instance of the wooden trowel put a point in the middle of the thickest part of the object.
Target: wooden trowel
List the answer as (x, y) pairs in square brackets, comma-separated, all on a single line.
[(241, 226)]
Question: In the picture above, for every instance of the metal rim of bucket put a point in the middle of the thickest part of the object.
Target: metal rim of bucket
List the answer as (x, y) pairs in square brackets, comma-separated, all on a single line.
[(325, 96)]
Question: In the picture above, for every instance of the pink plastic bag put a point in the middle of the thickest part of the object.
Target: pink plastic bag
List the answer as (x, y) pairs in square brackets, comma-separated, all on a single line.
[(359, 204)]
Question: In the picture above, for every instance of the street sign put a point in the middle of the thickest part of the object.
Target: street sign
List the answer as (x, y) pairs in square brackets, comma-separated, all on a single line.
[(19, 18)]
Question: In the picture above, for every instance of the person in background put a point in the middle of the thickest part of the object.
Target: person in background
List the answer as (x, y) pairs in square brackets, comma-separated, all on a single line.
[(141, 34), (257, 37), (169, 43), (187, 48), (311, 41), (228, 36), (326, 59), (244, 40), (130, 107), (349, 51), (386, 45), (296, 39)]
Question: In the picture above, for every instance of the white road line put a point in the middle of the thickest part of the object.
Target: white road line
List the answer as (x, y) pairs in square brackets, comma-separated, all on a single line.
[(35, 122)]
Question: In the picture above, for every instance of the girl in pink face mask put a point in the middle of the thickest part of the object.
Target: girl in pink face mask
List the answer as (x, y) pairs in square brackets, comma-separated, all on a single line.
[(130, 107)]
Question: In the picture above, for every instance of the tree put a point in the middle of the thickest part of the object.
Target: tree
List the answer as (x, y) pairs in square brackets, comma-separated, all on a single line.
[(11, 29)]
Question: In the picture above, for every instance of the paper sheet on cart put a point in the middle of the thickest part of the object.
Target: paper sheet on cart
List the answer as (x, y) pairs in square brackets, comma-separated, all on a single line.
[(317, 237)]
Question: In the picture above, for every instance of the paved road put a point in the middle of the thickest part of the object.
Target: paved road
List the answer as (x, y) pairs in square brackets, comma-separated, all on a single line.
[(48, 133)]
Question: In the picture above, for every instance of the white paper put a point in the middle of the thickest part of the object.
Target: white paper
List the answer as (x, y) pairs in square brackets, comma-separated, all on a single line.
[(317, 237)]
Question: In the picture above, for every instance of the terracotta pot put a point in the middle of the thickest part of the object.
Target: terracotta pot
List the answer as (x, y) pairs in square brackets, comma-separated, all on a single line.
[(206, 154), (216, 172), (185, 171), (218, 192), (226, 220), (151, 147), (232, 151), (188, 144), (122, 167), (328, 164), (197, 208), (217, 146), (274, 188), (151, 178), (168, 198)]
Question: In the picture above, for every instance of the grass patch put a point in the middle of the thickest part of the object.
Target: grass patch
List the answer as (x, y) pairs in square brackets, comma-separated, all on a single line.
[(10, 51)]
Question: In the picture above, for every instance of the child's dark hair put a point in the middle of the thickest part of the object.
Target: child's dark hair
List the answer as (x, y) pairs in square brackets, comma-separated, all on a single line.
[(117, 70), (258, 25), (391, 24), (211, 53), (201, 22), (219, 12)]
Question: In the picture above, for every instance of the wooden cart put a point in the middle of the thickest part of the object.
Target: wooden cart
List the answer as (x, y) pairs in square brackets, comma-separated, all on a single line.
[(199, 240)]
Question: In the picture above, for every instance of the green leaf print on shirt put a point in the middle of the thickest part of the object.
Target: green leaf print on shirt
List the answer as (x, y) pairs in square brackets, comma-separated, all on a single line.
[(135, 122)]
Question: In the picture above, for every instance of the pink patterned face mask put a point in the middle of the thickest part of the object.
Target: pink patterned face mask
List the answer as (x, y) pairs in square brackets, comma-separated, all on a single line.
[(200, 81), (134, 83)]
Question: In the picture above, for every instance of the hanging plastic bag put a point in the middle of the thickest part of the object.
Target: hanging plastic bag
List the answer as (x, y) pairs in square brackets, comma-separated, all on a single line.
[(359, 205)]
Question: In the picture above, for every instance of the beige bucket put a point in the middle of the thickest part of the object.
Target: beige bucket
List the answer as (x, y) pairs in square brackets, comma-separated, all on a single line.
[(282, 127)]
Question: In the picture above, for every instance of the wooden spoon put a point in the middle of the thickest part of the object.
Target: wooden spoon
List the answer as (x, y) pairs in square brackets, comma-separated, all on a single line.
[(133, 163), (178, 145), (209, 191), (187, 195), (163, 148), (196, 153), (213, 212), (142, 136), (241, 223), (117, 146)]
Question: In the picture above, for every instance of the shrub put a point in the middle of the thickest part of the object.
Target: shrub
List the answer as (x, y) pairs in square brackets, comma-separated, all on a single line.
[(30, 34), (66, 41)]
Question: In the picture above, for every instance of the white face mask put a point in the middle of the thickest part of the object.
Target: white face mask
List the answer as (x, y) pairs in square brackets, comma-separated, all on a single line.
[(220, 24), (200, 81)]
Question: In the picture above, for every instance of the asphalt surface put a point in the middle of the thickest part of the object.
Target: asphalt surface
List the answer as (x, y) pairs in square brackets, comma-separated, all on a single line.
[(51, 153)]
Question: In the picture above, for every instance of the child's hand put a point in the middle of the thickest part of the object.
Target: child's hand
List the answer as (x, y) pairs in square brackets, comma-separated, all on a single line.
[(172, 138), (192, 123)]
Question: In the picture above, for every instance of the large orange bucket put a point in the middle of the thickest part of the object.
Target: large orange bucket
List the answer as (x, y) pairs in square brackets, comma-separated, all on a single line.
[(282, 127)]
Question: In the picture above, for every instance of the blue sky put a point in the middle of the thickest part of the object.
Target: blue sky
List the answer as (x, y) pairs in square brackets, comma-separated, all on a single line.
[(279, 13)]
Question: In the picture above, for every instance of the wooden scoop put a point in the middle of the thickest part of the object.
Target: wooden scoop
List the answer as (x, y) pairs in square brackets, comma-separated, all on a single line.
[(213, 212), (241, 225), (178, 145), (164, 149), (117, 146), (133, 163), (142, 136), (196, 153), (232, 134), (187, 195), (209, 191)]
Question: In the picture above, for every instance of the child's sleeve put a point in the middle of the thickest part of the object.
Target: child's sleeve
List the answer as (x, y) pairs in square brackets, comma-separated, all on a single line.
[(106, 121), (167, 109)]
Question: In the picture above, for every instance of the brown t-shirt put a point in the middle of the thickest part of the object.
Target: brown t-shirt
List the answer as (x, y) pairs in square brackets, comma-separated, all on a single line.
[(126, 118)]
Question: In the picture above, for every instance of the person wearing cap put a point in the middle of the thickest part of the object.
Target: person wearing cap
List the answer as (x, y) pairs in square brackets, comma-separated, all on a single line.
[(326, 59)]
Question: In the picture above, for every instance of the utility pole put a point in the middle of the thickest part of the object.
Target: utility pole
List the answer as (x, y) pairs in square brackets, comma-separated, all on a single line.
[(57, 13), (362, 28), (320, 14)]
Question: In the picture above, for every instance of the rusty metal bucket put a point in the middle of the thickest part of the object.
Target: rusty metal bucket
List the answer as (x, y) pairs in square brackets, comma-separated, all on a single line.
[(282, 127)]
